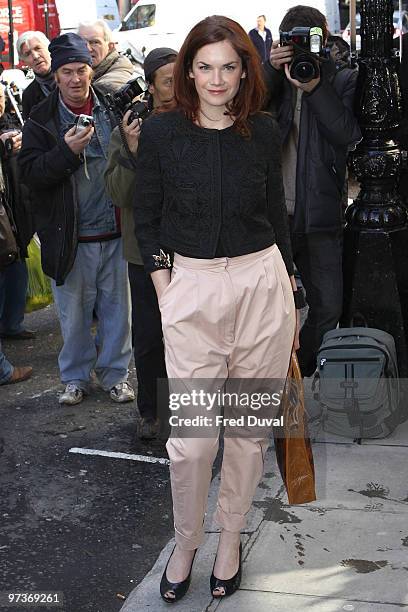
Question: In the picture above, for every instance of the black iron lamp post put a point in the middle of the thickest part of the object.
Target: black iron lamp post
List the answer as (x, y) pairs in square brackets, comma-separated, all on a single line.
[(376, 233)]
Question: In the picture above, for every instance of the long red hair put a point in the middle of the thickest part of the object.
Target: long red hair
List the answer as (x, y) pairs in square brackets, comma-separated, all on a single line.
[(251, 93)]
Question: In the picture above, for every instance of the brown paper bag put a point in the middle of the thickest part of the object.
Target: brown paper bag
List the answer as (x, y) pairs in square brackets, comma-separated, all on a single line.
[(292, 443)]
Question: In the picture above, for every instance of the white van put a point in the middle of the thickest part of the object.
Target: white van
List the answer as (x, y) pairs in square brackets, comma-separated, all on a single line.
[(165, 23)]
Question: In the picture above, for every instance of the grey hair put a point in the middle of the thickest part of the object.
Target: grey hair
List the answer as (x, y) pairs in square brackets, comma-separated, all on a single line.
[(27, 36), (99, 23)]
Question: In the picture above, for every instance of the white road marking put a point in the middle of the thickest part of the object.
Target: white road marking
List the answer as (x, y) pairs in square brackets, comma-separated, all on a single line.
[(51, 390), (113, 455)]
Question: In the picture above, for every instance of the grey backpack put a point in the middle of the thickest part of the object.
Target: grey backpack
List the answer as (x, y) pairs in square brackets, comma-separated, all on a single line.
[(357, 382)]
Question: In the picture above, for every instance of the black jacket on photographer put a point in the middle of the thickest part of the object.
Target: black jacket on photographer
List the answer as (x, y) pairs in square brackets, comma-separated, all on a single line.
[(32, 96), (56, 204), (327, 130), (15, 195)]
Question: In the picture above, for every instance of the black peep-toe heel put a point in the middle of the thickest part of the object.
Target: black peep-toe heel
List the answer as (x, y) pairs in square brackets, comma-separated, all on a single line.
[(230, 585), (178, 588)]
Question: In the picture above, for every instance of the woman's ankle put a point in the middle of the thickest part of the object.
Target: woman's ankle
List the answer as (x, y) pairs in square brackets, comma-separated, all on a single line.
[(229, 537), (179, 564), (227, 554)]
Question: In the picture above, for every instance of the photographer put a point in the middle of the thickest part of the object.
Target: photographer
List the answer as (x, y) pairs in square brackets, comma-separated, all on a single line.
[(62, 159), (14, 278), (121, 185), (317, 129)]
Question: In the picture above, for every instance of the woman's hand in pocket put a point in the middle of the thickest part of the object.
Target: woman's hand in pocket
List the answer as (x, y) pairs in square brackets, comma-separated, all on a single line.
[(296, 342), (161, 280)]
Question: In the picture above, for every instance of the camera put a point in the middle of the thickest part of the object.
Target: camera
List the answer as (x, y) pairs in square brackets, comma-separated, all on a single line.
[(123, 100), (82, 122), (308, 51), (8, 146)]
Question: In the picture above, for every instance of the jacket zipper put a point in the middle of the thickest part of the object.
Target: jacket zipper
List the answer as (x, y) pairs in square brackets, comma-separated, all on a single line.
[(306, 211), (218, 174)]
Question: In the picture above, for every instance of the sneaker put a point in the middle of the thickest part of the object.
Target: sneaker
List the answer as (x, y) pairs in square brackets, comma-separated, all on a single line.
[(122, 392), (72, 395), (148, 429)]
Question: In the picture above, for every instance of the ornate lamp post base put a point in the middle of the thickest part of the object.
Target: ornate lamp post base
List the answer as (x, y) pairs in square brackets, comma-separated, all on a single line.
[(376, 232)]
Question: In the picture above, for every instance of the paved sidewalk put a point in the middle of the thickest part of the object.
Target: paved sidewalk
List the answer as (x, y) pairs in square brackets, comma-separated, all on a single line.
[(346, 551)]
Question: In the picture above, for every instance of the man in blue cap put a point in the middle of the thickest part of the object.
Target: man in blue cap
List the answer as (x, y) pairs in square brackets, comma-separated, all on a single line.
[(62, 159)]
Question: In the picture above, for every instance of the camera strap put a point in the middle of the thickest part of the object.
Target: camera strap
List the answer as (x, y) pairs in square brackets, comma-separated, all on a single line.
[(125, 144), (86, 165)]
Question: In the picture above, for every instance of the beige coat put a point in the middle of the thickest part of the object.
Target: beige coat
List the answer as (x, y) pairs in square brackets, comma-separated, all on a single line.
[(113, 72)]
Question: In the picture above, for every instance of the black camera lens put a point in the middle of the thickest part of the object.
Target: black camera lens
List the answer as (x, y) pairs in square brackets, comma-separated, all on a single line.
[(304, 69)]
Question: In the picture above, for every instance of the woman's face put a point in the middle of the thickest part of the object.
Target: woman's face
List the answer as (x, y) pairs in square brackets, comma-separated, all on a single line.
[(217, 72)]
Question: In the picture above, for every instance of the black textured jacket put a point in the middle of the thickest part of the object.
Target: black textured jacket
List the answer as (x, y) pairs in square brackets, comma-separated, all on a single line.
[(47, 165), (328, 129), (16, 194), (18, 200), (203, 191)]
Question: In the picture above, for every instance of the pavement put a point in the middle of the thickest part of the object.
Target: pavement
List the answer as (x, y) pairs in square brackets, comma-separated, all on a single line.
[(87, 526), (348, 550)]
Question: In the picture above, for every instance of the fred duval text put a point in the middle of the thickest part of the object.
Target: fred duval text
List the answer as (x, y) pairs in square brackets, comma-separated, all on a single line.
[(208, 421)]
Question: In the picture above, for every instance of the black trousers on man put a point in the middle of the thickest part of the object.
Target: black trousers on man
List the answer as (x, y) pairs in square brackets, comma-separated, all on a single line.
[(318, 258), (147, 338)]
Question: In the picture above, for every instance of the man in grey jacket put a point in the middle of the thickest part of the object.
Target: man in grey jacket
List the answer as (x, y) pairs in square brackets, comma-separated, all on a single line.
[(111, 70), (318, 128)]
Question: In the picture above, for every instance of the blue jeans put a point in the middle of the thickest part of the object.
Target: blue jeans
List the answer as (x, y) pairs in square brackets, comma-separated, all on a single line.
[(98, 281), (13, 293), (6, 369)]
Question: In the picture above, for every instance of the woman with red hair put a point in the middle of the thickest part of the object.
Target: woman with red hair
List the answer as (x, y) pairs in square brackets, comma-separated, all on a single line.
[(209, 189)]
